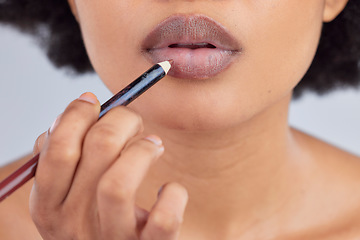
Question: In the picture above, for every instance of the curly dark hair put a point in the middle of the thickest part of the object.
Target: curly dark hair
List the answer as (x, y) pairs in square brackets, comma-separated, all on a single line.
[(336, 63)]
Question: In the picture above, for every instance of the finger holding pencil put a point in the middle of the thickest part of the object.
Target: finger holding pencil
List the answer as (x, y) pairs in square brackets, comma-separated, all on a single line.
[(122, 98), (90, 172)]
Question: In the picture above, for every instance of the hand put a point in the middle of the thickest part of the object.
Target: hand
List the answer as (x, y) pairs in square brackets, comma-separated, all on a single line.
[(88, 175)]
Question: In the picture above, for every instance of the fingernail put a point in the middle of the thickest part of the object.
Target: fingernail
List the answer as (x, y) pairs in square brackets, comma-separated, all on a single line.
[(54, 124), (88, 97), (154, 139)]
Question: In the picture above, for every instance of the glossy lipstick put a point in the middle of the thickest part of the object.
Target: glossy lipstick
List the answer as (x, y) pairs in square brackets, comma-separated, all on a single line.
[(199, 46)]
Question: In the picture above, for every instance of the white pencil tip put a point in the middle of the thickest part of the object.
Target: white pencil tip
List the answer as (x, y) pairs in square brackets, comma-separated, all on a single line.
[(166, 65)]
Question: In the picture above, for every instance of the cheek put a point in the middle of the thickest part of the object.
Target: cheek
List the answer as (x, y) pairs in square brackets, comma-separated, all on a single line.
[(281, 41), (111, 31)]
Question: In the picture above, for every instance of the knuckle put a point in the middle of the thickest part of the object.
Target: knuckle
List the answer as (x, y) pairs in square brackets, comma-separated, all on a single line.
[(165, 222), (131, 116), (41, 218), (54, 222), (62, 154), (104, 137), (113, 189), (70, 154)]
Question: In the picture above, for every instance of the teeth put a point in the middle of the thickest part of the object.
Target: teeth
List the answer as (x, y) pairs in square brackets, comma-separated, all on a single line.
[(192, 45)]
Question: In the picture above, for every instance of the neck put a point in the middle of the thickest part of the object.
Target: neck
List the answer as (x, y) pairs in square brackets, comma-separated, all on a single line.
[(239, 175)]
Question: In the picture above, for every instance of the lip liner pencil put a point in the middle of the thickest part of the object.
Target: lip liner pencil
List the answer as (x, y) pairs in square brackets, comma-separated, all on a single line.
[(122, 98)]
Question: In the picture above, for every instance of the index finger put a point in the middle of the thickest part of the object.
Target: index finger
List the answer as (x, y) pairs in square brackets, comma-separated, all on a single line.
[(62, 149)]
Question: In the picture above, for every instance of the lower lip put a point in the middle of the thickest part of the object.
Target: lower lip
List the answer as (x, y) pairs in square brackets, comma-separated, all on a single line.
[(198, 63)]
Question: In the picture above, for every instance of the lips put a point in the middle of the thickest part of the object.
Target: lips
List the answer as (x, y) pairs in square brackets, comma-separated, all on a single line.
[(199, 46)]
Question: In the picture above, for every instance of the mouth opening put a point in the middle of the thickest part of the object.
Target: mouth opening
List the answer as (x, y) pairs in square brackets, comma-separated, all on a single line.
[(192, 45)]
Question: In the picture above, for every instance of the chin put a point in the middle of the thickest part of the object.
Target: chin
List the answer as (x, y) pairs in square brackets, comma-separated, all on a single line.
[(191, 119)]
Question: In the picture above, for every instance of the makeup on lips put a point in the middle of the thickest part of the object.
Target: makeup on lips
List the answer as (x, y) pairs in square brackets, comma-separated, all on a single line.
[(199, 46)]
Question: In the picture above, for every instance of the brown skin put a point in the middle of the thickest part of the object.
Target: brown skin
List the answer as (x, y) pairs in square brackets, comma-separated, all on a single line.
[(242, 173), (327, 207)]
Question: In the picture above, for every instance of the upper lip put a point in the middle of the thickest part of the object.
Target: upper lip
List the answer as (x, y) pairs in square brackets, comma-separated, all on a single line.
[(187, 30)]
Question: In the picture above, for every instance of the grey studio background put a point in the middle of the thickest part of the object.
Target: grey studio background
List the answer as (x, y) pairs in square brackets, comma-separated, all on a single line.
[(33, 93)]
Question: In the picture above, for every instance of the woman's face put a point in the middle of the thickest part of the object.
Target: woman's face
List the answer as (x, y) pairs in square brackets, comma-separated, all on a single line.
[(248, 54)]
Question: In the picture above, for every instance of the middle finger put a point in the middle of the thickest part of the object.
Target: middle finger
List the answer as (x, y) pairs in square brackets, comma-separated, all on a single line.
[(102, 146)]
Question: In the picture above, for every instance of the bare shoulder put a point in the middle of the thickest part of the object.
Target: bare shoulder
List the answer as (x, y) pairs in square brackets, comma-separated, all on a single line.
[(15, 220), (329, 155), (335, 189)]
